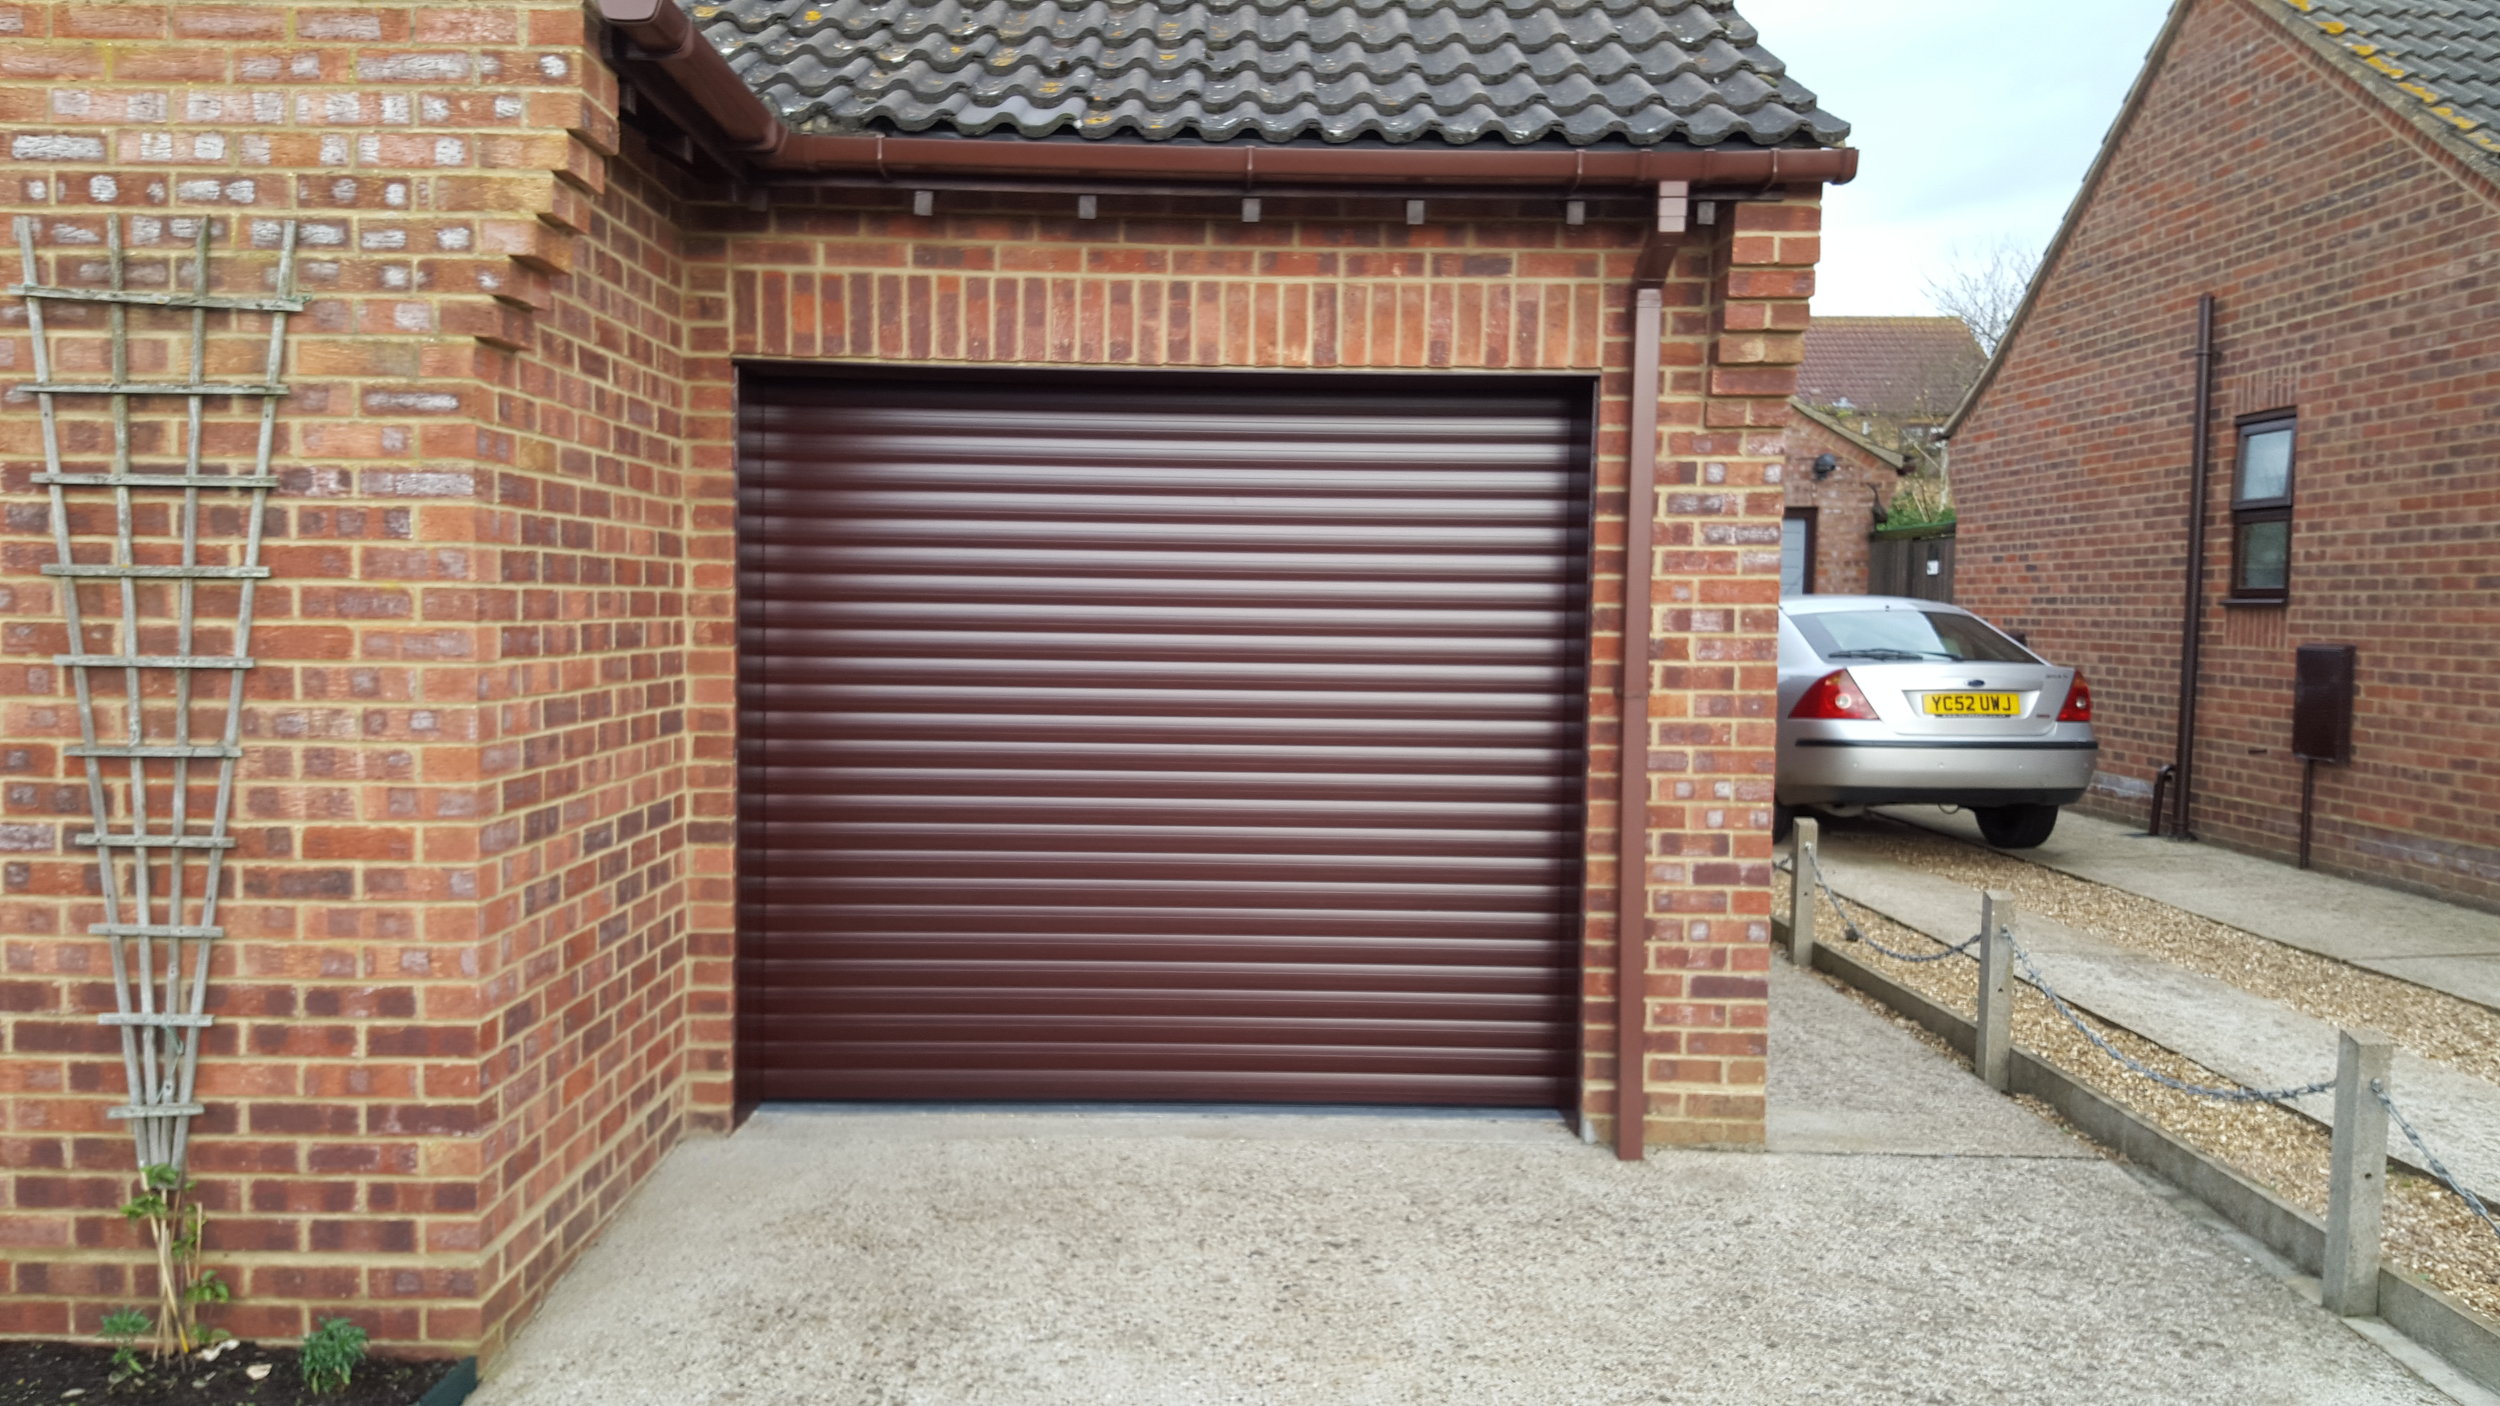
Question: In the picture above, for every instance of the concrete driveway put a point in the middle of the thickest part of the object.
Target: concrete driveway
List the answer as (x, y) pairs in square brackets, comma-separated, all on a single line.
[(1911, 1238)]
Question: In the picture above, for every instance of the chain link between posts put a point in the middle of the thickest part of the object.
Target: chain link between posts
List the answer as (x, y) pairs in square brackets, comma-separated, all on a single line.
[(2439, 1169), (2238, 1093), (2235, 1094), (2031, 973), (1858, 934)]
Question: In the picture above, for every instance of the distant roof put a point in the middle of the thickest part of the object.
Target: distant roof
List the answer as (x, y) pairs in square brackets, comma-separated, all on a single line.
[(1888, 365), (2440, 58), (1638, 72)]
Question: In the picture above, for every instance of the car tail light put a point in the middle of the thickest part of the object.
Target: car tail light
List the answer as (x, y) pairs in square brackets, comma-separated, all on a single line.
[(2078, 707), (1835, 695)]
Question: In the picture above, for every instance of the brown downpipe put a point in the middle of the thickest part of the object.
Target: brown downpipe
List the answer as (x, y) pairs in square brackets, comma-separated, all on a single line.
[(2192, 626), (666, 39), (1640, 511)]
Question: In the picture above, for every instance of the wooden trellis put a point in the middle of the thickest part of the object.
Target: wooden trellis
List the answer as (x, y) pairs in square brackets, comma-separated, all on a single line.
[(159, 924)]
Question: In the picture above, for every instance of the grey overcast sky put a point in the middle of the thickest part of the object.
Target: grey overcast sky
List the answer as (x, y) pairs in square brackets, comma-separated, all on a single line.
[(1977, 119)]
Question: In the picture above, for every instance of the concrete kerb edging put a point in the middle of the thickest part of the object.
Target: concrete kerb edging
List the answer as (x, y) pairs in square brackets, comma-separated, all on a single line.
[(2468, 1340)]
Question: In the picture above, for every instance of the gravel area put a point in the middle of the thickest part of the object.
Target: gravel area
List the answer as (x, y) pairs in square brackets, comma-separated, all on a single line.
[(2429, 1232), (2430, 1023)]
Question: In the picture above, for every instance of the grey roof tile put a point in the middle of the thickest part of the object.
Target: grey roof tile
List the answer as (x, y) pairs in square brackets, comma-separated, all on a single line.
[(1579, 71), (2441, 54)]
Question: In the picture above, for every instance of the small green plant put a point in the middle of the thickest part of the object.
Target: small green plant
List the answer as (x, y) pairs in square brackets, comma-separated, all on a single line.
[(330, 1354), (1920, 502), (122, 1329), (175, 1223)]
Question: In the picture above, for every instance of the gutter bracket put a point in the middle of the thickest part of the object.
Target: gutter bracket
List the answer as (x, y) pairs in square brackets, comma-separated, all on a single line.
[(1675, 203)]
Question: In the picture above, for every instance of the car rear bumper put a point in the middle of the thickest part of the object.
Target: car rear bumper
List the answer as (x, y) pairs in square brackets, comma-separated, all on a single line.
[(1839, 771)]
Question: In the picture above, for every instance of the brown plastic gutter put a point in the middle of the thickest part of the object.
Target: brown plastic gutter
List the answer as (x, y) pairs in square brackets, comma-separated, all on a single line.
[(664, 38)]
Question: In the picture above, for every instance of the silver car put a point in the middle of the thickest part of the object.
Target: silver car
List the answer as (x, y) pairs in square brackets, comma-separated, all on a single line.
[(1885, 700)]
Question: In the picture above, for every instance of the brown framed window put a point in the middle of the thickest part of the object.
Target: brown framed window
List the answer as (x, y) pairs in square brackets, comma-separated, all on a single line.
[(2261, 511)]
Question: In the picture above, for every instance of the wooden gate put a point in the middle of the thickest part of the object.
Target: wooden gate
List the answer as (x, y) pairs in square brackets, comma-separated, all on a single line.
[(1916, 561)]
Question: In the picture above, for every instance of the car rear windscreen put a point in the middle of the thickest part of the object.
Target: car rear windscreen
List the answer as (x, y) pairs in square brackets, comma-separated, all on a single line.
[(1906, 637)]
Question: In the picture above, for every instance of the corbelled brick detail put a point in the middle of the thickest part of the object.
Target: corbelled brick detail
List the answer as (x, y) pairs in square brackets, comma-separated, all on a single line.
[(452, 1007), (2351, 259)]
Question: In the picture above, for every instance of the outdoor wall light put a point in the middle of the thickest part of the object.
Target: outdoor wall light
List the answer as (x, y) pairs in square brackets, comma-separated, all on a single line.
[(1824, 464)]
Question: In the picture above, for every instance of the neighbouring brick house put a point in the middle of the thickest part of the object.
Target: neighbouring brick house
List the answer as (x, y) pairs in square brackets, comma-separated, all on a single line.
[(1053, 554), (1839, 482), (2327, 173)]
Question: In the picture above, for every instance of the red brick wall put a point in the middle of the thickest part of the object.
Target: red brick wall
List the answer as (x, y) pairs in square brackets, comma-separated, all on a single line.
[(2352, 263), (453, 1005), (1330, 285), (480, 971), (1843, 504), (588, 1071)]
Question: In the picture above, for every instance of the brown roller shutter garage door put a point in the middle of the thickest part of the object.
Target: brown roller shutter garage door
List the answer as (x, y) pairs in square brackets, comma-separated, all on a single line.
[(1154, 738)]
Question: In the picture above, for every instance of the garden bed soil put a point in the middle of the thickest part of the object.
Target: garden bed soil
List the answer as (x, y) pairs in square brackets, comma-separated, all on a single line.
[(52, 1374)]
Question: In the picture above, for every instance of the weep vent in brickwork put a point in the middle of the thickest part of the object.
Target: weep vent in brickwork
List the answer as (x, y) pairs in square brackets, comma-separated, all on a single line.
[(1517, 71)]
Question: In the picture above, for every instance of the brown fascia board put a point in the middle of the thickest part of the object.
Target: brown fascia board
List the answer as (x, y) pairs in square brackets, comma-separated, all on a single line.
[(666, 40)]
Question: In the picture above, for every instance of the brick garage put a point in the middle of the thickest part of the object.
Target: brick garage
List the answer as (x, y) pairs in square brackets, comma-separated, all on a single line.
[(479, 970), (2301, 163)]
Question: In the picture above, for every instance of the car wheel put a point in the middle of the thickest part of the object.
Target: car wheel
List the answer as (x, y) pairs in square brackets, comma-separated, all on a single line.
[(2016, 827), (1783, 820)]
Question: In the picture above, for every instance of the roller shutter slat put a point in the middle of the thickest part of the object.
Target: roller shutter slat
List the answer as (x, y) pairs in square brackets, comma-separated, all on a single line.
[(1166, 741)]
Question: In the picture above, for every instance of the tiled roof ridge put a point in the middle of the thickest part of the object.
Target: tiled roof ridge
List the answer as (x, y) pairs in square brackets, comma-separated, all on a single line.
[(2376, 60), (821, 17), (1861, 319), (1461, 70), (1114, 64)]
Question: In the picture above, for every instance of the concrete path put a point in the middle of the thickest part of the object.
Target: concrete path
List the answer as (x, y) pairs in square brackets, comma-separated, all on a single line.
[(2439, 945), (1920, 1241), (1839, 1084), (2261, 1043)]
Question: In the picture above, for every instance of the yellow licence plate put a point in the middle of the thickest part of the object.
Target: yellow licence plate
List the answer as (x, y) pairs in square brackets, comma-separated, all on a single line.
[(1974, 705)]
